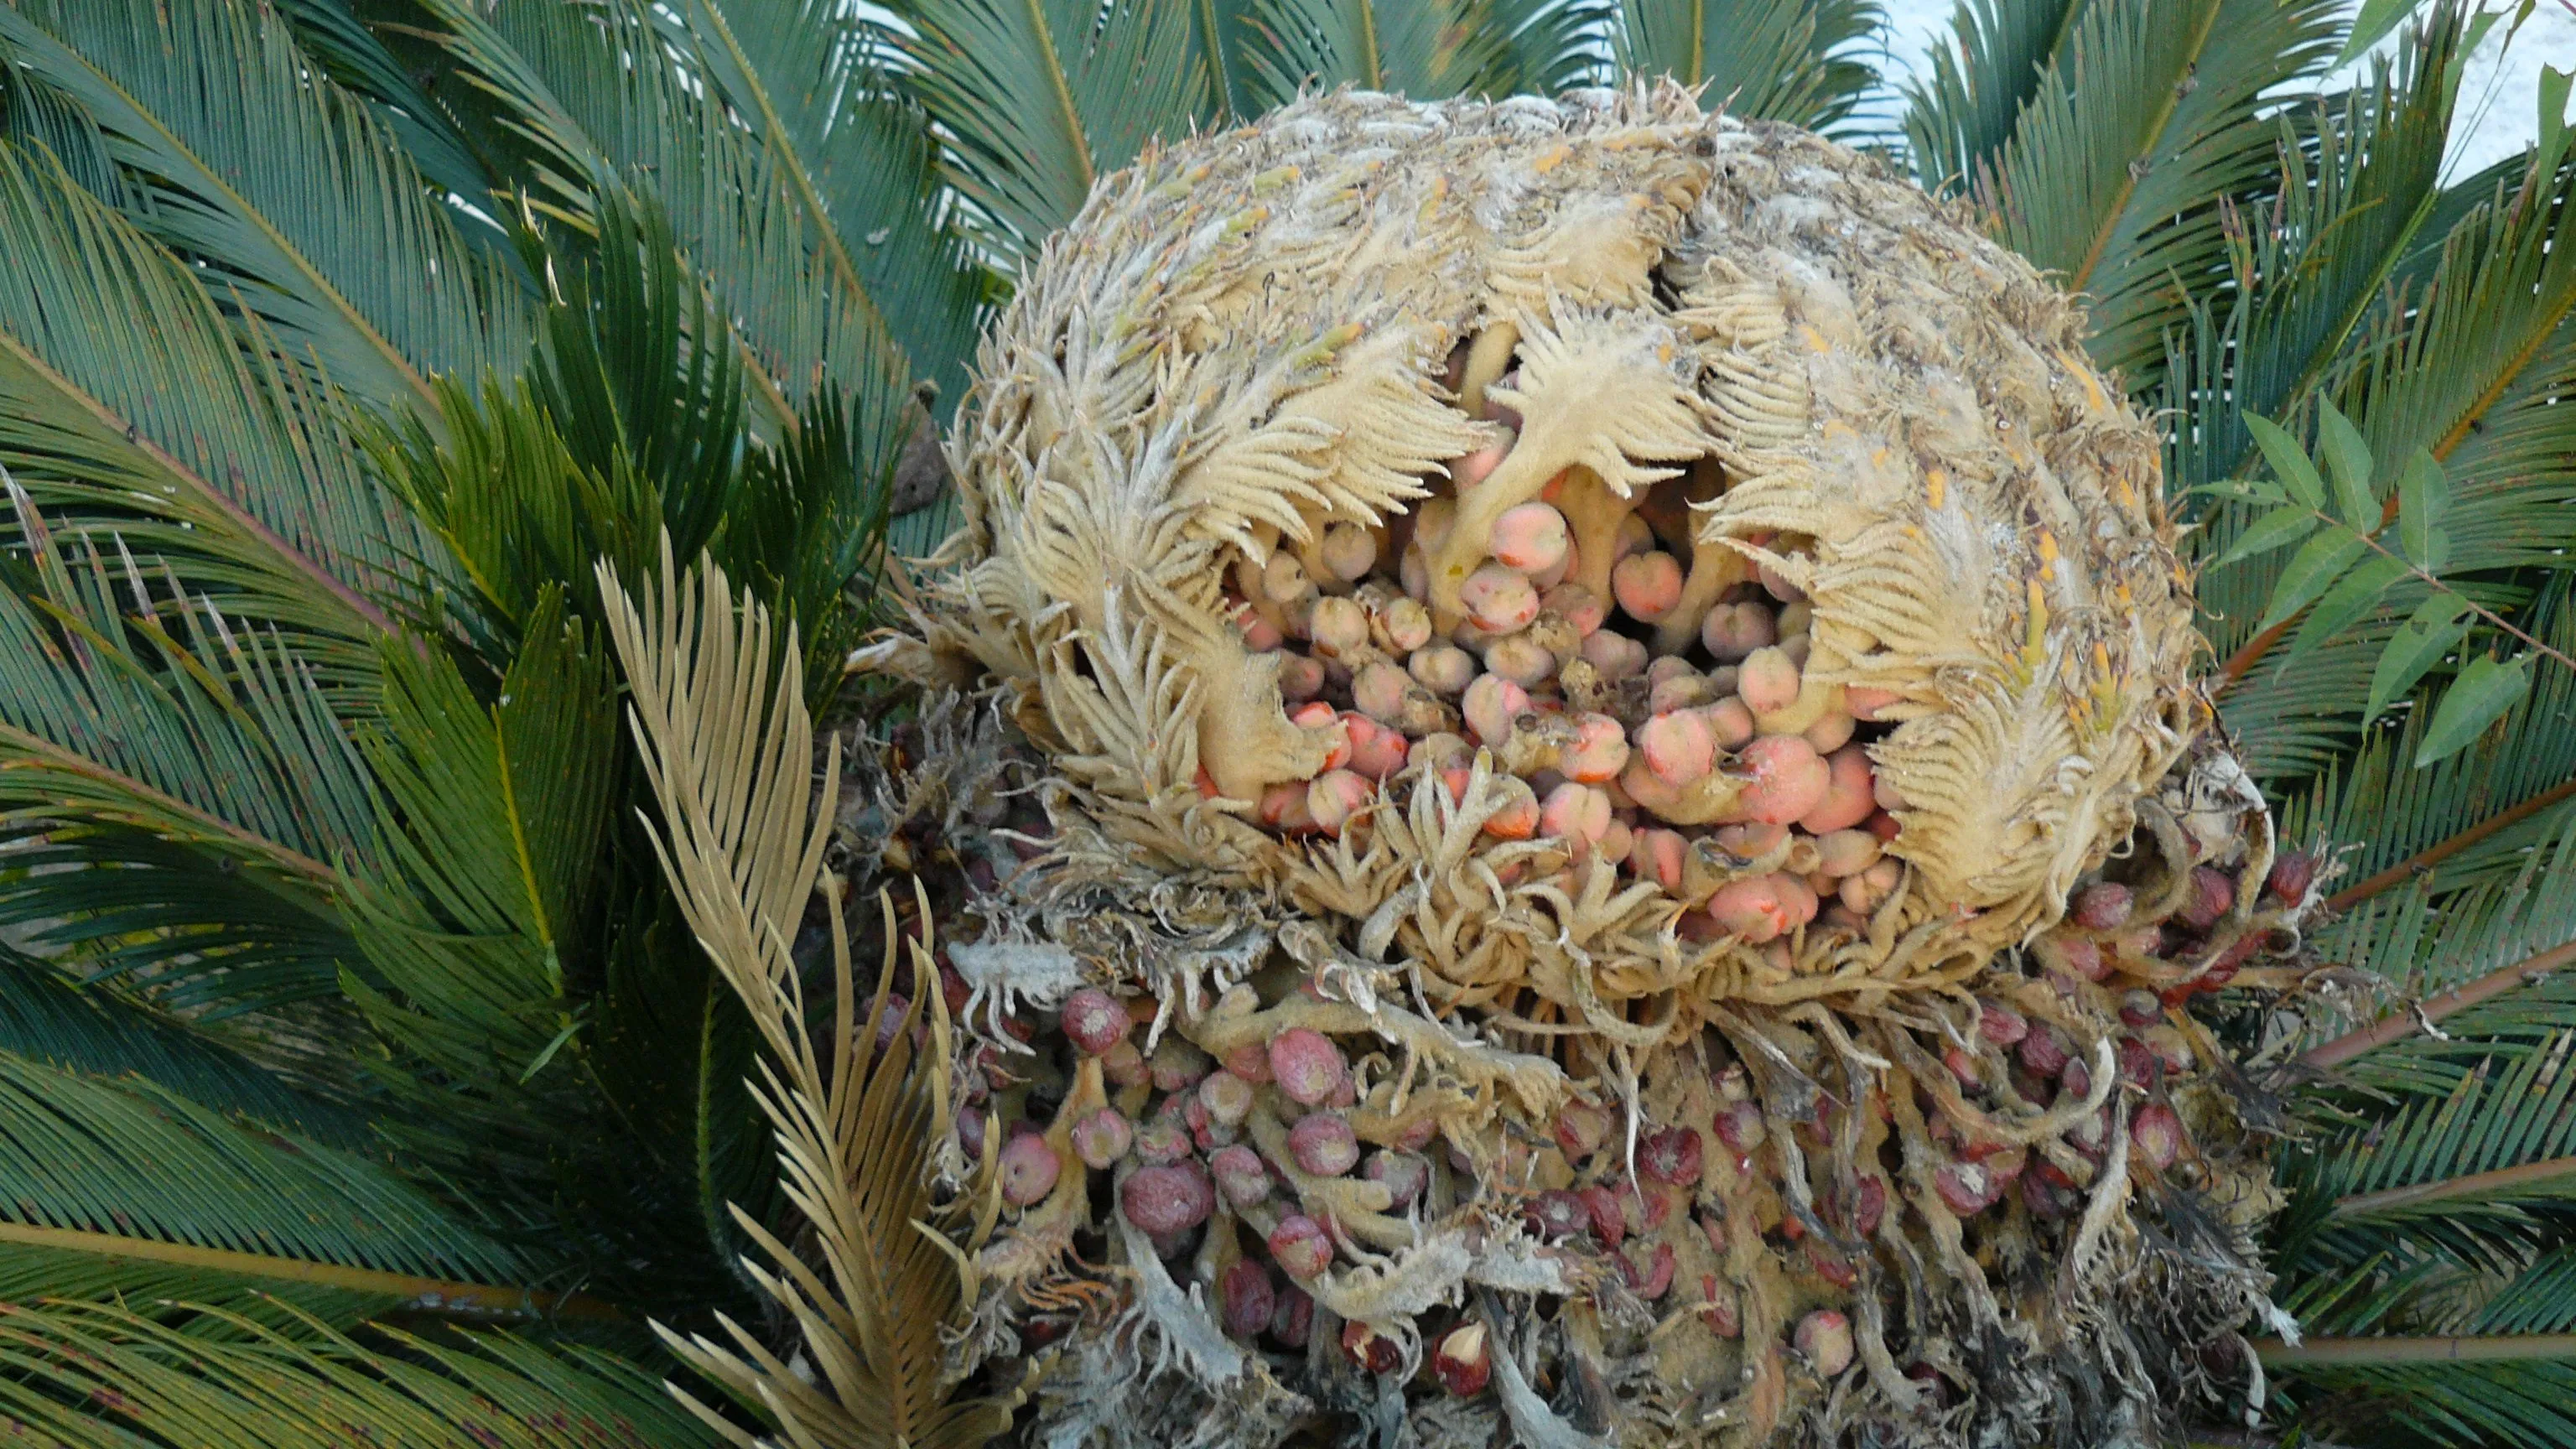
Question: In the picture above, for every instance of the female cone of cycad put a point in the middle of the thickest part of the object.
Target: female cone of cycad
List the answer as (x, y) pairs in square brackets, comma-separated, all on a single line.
[(1582, 651)]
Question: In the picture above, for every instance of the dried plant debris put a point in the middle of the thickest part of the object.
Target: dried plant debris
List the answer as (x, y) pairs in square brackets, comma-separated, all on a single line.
[(1627, 832)]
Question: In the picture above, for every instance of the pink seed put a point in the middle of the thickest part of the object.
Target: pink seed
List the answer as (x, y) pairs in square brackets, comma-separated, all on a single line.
[(1657, 856), (1499, 599), (1491, 704), (1732, 631), (1444, 669), (1284, 579), (1865, 702), (1283, 808), (1300, 1246), (1339, 627), (1966, 1188), (1521, 659), (1825, 1338), (1323, 1144), (1259, 634), (1379, 691), (1530, 538), (1730, 722), (1029, 1170), (1847, 852), (1517, 819), (1846, 801), (1240, 1175), (1349, 552), (1227, 1098), (1568, 812), (1556, 1214), (1477, 466), (1103, 1137), (1617, 841), (1432, 523), (1616, 655), (1635, 536), (1831, 733), (1094, 1021), (1647, 586), (1752, 909), (1785, 780), (1778, 585), (1999, 1023), (1246, 1299), (1300, 678), (1124, 1065), (1678, 747), (1671, 1157), (1576, 605), (1319, 718), (1599, 752), (1336, 796), (1400, 625), (1381, 754), (1172, 1198), (1307, 1066), (2045, 1051), (1164, 1140), (1768, 681)]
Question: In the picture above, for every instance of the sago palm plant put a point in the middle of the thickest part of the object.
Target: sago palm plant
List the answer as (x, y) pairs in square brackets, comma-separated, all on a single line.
[(476, 963)]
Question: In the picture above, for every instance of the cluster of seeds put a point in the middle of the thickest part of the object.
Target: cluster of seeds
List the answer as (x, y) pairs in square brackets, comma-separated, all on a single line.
[(1638, 704)]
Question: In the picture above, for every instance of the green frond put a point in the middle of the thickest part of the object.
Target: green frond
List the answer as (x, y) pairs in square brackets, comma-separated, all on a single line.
[(1801, 61), (132, 1159), (2513, 1402), (811, 78), (606, 99), (127, 402), (2147, 117), (1040, 98), (96, 1374), (2359, 192), (241, 153), (1424, 49), (1958, 118), (48, 1019)]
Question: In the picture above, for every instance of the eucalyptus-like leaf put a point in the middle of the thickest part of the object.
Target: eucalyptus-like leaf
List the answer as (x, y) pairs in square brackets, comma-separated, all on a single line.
[(2289, 461), (2279, 528), (2352, 596), (2423, 499), (2318, 566), (2482, 693), (2348, 462), (2438, 624)]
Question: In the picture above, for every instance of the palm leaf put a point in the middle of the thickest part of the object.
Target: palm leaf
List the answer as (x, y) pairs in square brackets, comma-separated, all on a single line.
[(742, 844), (1424, 49), (1800, 61), (1959, 117), (99, 1374), (1039, 99), (258, 164), (2147, 117)]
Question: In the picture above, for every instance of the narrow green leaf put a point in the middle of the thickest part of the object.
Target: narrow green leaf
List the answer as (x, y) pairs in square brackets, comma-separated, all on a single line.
[(2423, 497), (2482, 693), (2273, 530), (2312, 570), (2377, 18), (2428, 634), (2289, 461), (2348, 459), (2553, 111), (2347, 601)]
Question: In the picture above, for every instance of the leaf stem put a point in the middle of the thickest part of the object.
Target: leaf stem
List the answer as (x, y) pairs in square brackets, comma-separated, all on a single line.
[(2482, 611), (2423, 861), (2459, 998), (2493, 1348), (2475, 1184)]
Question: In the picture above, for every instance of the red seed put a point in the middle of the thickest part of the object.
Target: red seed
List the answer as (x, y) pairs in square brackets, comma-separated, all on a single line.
[(1094, 1021), (1966, 1188), (1655, 1279), (1609, 1223), (2076, 1077), (2157, 1135), (1580, 1130), (1250, 1061), (2140, 1008), (1962, 1065), (1323, 1144), (1177, 1066), (1464, 1361), (2212, 895), (1103, 1137), (1294, 1318), (1671, 1156), (1307, 1066), (1164, 1140), (1556, 1214), (1246, 1298), (2102, 906), (1240, 1175), (2045, 1051), (1123, 1065), (2291, 877), (1720, 1314), (1301, 1246), (1403, 1174), (1226, 1097), (1825, 1337), (1739, 1125), (1172, 1198), (2000, 1024), (1832, 1266), (1371, 1350)]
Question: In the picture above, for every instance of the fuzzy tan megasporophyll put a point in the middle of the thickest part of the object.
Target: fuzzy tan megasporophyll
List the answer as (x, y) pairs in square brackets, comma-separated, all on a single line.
[(1627, 821)]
